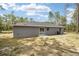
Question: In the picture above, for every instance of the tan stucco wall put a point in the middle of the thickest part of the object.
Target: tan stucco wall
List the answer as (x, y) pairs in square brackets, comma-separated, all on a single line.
[(25, 31)]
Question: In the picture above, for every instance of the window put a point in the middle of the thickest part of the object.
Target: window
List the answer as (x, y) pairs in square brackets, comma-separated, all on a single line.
[(47, 29), (41, 29), (59, 31)]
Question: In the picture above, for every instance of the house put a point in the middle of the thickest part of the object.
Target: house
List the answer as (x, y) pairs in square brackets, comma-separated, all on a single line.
[(31, 29)]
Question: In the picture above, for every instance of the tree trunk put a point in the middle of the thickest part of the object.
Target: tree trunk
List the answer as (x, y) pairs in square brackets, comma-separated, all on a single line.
[(65, 13), (77, 18)]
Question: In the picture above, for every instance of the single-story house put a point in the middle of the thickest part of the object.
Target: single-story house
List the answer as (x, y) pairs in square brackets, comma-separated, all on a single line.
[(31, 29)]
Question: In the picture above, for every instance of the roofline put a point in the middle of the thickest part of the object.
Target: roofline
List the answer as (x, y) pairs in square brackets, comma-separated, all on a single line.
[(26, 25), (39, 26)]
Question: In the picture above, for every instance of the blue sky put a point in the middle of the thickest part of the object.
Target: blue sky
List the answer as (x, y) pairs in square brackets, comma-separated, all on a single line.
[(37, 11)]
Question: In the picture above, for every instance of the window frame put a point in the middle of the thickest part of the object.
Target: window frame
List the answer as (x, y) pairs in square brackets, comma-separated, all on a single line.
[(41, 29), (47, 28)]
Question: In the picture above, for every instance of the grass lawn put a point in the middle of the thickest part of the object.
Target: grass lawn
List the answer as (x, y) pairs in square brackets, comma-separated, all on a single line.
[(57, 45)]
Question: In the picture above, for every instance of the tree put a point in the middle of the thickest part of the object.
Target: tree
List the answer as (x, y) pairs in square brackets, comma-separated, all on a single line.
[(57, 18), (31, 20), (66, 12), (1, 8), (13, 17), (63, 20), (74, 17), (50, 16), (7, 21), (21, 19), (77, 17), (74, 20), (0, 23)]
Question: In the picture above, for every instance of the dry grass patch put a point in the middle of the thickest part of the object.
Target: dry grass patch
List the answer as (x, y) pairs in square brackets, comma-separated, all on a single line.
[(66, 44)]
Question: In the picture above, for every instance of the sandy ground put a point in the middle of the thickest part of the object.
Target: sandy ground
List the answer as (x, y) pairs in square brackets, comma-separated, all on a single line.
[(62, 45)]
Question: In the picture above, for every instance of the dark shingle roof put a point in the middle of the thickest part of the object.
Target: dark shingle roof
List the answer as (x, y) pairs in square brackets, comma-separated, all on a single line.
[(37, 24)]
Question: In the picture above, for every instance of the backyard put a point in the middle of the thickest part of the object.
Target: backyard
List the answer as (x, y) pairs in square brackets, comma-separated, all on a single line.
[(55, 45)]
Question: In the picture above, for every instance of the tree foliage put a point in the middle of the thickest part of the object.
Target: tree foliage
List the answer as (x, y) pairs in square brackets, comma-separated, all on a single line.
[(57, 19), (7, 20), (51, 16)]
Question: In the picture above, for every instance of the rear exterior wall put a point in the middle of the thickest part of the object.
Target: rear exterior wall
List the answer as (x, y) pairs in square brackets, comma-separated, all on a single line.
[(25, 32), (53, 31)]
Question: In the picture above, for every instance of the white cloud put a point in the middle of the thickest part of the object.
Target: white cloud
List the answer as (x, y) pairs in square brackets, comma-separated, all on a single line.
[(44, 15), (34, 10), (22, 8), (35, 14), (31, 14), (7, 5), (11, 4), (33, 7), (30, 9), (37, 7), (70, 9)]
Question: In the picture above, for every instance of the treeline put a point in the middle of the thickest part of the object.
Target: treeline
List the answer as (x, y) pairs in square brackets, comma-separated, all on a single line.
[(7, 21), (58, 19)]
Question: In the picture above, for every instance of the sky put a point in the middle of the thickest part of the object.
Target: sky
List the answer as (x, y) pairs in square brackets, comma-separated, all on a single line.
[(37, 11)]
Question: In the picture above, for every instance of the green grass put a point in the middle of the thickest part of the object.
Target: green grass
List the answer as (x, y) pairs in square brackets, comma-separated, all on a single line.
[(42, 45)]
